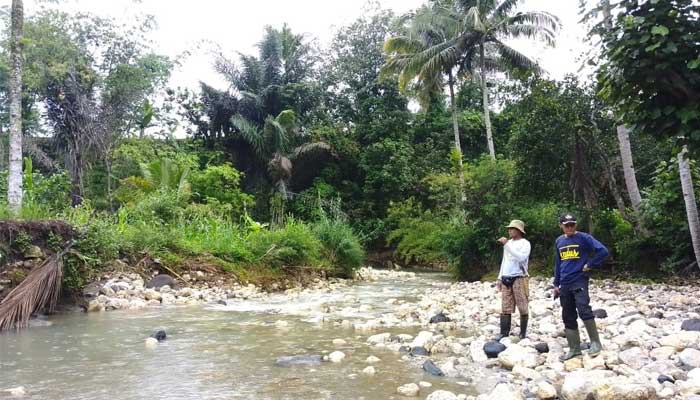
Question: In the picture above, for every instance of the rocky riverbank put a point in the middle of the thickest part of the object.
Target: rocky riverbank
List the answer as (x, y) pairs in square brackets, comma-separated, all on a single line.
[(650, 334)]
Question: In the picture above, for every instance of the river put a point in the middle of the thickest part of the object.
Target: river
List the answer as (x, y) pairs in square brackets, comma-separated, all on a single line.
[(221, 351)]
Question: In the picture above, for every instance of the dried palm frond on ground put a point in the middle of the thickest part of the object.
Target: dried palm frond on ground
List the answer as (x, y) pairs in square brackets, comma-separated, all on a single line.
[(39, 290)]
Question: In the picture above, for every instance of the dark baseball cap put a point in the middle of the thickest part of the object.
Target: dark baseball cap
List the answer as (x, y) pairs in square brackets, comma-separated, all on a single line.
[(567, 218)]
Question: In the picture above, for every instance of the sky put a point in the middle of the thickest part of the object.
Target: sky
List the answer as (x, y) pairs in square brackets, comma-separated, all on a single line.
[(237, 25)]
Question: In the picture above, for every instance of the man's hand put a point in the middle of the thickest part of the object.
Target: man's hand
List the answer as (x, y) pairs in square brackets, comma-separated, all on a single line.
[(586, 268), (555, 293), (502, 240)]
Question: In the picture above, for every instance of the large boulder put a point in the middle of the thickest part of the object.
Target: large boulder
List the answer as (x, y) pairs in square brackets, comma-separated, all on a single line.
[(439, 317), (430, 367), (424, 339), (161, 280), (518, 355), (502, 391), (545, 391), (477, 352), (580, 384), (623, 389), (408, 390), (379, 338)]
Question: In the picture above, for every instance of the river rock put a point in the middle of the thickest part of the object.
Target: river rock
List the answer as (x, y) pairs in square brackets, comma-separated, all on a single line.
[(518, 355), (379, 338), (336, 356), (161, 280), (424, 339), (424, 384), (408, 390), (441, 395), (95, 306), (151, 294), (439, 317), (635, 357), (339, 342), (430, 367), (159, 335), (662, 353), (527, 374), (691, 325), (593, 362), (492, 349), (580, 384), (663, 378), (107, 291), (419, 351), (573, 364), (476, 351), (545, 391), (502, 391), (600, 313), (372, 360), (369, 370), (151, 342), (542, 347), (33, 252), (622, 389), (690, 357), (682, 340), (298, 360)]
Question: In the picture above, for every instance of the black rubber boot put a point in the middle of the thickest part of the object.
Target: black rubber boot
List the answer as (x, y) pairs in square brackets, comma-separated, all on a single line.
[(505, 326), (592, 329), (523, 326), (574, 339)]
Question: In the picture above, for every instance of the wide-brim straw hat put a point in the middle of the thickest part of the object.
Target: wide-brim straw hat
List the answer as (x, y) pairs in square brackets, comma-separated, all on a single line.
[(517, 224)]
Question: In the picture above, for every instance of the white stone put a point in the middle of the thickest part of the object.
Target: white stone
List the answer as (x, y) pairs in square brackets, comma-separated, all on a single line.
[(408, 390), (623, 389), (518, 355), (95, 306), (424, 339), (336, 356), (545, 391), (424, 384), (379, 338), (441, 395), (526, 373), (151, 342), (690, 357), (635, 357), (372, 360), (694, 374), (682, 340), (369, 370), (579, 385), (476, 351), (502, 392), (339, 342), (662, 353)]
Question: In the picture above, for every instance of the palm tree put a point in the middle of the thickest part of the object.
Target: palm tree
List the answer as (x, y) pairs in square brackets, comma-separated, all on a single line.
[(426, 58), (691, 205), (278, 144), (486, 24), (14, 184)]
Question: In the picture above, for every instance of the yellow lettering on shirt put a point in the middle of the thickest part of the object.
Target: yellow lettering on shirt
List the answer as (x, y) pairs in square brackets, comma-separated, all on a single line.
[(569, 252)]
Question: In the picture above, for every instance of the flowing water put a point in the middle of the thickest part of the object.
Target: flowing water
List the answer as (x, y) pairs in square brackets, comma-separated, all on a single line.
[(217, 351)]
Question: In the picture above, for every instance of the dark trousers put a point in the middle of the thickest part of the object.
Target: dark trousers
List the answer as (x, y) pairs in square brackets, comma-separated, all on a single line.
[(575, 299)]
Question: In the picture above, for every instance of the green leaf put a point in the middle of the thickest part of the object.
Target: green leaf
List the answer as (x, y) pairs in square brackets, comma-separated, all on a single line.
[(653, 47), (645, 38), (694, 64), (659, 30)]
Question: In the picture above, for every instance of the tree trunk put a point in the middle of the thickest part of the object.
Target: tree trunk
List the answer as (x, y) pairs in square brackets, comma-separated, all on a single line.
[(455, 129), (623, 138), (691, 205), (3, 157), (487, 116), (14, 182)]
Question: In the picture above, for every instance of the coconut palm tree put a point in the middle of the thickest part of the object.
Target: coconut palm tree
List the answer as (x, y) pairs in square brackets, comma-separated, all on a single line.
[(691, 205), (486, 26), (426, 58), (14, 184)]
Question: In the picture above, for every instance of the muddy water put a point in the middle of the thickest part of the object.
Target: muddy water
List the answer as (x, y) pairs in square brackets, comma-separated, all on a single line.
[(219, 351)]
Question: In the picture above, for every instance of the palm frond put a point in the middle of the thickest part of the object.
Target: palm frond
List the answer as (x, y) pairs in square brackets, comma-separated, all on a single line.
[(275, 135), (280, 170), (403, 45), (250, 133), (537, 18), (514, 58), (39, 290), (311, 150), (530, 31), (473, 20), (505, 8)]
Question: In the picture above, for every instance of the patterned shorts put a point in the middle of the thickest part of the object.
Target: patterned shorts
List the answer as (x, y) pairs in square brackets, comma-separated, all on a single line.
[(516, 295)]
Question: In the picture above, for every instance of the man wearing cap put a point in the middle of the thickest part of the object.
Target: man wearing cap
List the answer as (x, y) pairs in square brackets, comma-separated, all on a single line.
[(513, 278), (576, 254)]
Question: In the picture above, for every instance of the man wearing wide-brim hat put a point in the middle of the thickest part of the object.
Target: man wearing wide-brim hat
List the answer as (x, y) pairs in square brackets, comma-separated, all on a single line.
[(513, 278)]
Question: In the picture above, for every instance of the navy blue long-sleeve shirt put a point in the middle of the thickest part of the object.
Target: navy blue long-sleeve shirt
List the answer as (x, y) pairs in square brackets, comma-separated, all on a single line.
[(572, 253)]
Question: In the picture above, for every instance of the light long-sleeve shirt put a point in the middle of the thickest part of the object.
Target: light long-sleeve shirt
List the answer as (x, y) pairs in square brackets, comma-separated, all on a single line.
[(516, 254)]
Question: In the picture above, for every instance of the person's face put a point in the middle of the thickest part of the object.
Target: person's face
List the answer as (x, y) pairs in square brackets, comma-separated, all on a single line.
[(569, 229), (514, 233)]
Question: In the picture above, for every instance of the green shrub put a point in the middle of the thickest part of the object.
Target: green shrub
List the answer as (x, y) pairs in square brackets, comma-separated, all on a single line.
[(208, 234), (162, 206), (341, 248), (220, 184), (295, 244)]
